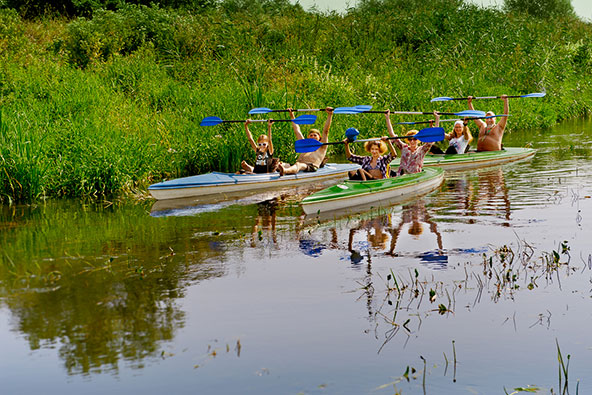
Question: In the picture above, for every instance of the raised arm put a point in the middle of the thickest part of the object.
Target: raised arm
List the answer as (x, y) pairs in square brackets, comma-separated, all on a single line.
[(270, 148), (389, 125), (390, 146), (504, 120), (325, 135), (437, 116), (467, 132), (348, 153), (479, 122), (295, 126), (249, 135), (389, 128)]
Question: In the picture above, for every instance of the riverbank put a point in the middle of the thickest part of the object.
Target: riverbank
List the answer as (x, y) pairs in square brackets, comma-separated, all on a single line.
[(106, 106)]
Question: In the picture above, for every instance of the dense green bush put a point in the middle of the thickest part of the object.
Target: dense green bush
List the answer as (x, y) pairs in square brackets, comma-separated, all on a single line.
[(87, 8), (109, 104)]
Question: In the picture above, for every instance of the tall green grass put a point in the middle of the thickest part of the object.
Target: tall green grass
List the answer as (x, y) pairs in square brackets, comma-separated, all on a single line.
[(108, 105)]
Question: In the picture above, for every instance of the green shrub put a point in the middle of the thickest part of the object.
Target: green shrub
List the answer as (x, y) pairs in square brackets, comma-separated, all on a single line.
[(109, 104)]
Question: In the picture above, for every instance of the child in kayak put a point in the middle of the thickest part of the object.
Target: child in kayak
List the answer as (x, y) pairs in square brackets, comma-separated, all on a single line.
[(309, 161), (374, 167), (264, 161), (412, 153), (459, 140)]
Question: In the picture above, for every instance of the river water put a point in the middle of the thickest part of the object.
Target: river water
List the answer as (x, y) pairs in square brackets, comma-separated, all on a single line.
[(476, 288)]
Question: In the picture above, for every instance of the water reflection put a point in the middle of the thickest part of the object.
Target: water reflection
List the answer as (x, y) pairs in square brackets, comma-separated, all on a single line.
[(415, 216), (265, 221), (469, 197), (380, 230), (99, 283), (109, 287)]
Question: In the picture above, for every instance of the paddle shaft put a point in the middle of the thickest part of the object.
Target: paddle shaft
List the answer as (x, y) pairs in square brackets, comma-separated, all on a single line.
[(451, 120), (388, 138), (256, 120), (299, 110), (260, 120), (365, 140), (338, 110), (484, 97), (409, 112)]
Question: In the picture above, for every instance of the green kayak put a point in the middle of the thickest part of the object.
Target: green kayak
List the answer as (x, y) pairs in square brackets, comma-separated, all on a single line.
[(389, 190), (474, 159)]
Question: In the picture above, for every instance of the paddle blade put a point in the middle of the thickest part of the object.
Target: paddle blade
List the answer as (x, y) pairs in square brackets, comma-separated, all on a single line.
[(307, 145), (260, 110), (541, 94), (420, 122), (210, 121), (470, 113), (430, 135), (346, 110), (362, 108), (444, 98), (305, 119)]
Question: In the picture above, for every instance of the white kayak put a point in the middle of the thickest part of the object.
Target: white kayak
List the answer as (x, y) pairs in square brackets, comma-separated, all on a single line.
[(225, 183)]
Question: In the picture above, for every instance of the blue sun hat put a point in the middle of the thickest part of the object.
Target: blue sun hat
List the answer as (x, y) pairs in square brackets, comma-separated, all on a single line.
[(352, 134)]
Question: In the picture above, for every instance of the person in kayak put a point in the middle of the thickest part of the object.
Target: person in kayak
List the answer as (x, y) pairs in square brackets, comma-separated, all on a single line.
[(309, 161), (459, 140), (412, 153), (491, 133), (264, 160), (374, 167)]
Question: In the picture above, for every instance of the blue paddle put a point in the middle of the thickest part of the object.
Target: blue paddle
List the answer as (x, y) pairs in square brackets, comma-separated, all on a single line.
[(300, 120), (465, 113), (541, 94), (339, 110), (427, 135)]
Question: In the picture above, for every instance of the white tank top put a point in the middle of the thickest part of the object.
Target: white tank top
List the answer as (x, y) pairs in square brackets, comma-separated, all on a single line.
[(460, 144)]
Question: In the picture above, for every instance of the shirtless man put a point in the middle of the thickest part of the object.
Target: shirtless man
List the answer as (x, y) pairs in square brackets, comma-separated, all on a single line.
[(491, 133), (309, 161)]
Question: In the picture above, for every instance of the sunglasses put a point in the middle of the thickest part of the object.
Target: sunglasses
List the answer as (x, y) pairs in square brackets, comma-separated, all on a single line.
[(262, 144)]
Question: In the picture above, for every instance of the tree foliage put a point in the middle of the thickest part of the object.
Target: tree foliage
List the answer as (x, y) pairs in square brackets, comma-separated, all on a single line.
[(543, 9), (73, 8)]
